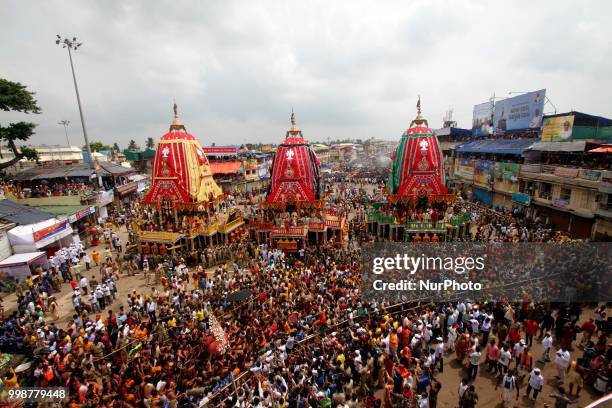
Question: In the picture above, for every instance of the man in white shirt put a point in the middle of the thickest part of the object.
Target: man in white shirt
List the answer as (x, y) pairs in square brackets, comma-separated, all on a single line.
[(463, 386), (536, 381), (562, 361), (509, 386), (518, 350), (452, 337), (504, 359), (84, 283), (439, 352), (547, 342)]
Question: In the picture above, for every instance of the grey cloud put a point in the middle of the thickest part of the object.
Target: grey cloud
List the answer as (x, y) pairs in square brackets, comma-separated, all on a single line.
[(350, 69)]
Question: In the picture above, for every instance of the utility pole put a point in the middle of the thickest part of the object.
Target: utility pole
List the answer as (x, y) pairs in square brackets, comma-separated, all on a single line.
[(74, 45)]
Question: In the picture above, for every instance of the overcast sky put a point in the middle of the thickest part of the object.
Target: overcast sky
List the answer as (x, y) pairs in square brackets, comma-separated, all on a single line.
[(349, 69)]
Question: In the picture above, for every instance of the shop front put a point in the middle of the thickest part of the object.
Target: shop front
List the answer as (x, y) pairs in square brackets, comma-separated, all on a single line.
[(49, 236), (482, 195)]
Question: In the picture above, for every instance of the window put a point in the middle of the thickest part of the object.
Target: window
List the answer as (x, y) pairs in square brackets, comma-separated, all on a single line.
[(606, 202), (527, 187), (545, 189), (566, 194)]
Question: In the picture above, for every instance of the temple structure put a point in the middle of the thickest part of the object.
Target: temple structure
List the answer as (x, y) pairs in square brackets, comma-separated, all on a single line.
[(295, 170), (185, 202), (294, 214), (417, 205)]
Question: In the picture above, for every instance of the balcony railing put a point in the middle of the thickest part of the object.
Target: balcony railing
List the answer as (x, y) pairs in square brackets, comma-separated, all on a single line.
[(382, 218), (231, 225), (460, 219), (425, 225)]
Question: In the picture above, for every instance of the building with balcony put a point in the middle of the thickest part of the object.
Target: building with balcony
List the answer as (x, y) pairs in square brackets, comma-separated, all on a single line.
[(566, 197)]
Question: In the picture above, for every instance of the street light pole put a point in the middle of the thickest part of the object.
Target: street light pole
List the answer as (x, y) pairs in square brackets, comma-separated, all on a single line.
[(65, 123), (74, 45)]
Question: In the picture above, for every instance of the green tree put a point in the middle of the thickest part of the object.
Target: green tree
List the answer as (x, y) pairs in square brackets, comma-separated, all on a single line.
[(116, 148), (15, 97), (98, 146), (150, 143), (133, 146)]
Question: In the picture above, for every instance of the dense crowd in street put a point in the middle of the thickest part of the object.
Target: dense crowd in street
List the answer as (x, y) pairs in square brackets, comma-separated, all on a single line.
[(300, 334)]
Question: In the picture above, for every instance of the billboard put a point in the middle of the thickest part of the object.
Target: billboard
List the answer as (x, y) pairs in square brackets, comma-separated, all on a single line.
[(50, 230), (465, 169), (481, 119), (520, 112), (507, 171), (483, 172), (558, 128)]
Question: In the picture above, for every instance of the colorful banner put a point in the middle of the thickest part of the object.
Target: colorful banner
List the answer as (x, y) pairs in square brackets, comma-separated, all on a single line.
[(50, 230), (520, 112), (465, 170), (81, 214), (482, 119), (507, 171), (483, 172), (558, 128)]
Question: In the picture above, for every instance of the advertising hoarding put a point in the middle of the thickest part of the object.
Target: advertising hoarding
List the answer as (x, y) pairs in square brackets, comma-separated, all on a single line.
[(50, 230), (520, 112), (558, 128), (483, 172), (481, 119), (465, 169), (507, 171)]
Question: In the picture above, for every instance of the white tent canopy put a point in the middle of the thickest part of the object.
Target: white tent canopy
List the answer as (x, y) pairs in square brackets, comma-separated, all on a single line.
[(18, 265), (22, 237)]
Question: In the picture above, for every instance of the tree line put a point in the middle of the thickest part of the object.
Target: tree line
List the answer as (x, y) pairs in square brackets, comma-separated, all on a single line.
[(15, 97)]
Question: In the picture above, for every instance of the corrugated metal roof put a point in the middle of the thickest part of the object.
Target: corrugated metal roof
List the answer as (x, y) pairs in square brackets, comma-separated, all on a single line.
[(504, 146), (20, 214), (73, 170), (62, 211), (570, 146)]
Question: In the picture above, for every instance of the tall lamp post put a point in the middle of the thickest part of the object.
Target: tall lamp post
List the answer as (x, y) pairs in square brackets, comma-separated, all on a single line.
[(73, 45), (65, 123)]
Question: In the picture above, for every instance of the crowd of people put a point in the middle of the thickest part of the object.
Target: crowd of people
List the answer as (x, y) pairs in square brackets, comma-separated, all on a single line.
[(47, 189), (247, 325)]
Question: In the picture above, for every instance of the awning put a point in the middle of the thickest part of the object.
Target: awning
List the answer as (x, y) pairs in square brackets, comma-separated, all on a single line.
[(506, 146), (602, 149), (74, 212), (26, 238), (225, 167), (22, 259), (571, 146)]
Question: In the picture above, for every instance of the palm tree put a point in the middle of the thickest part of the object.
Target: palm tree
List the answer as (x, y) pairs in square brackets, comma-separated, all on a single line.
[(133, 146), (150, 143)]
